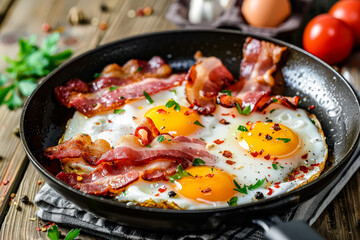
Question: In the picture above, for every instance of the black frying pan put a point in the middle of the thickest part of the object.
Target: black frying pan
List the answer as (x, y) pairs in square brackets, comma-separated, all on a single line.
[(43, 122)]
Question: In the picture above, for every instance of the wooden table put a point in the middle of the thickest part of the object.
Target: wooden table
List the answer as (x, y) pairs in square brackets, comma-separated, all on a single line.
[(21, 18)]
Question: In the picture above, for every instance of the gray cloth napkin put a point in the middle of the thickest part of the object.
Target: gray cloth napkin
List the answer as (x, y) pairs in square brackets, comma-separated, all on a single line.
[(55, 208)]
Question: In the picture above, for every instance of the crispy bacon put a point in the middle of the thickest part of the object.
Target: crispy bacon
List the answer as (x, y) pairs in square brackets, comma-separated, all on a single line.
[(204, 81), (104, 99), (133, 71), (256, 76), (146, 132), (79, 146)]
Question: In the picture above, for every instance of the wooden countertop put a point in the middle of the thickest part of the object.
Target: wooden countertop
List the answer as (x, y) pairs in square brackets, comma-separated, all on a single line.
[(21, 18)]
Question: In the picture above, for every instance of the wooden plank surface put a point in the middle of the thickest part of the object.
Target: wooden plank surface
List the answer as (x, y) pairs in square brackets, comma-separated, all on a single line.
[(339, 220)]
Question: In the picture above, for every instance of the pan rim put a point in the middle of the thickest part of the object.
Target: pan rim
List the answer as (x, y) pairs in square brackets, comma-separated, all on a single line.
[(243, 207)]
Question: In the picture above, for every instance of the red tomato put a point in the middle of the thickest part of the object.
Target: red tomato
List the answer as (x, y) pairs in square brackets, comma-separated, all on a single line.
[(349, 12), (328, 38)]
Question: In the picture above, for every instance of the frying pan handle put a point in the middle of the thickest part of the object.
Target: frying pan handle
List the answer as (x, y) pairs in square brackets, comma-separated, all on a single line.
[(294, 230)]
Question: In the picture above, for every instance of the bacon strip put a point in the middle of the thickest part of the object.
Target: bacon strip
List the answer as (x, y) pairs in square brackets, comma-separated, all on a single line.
[(133, 71), (205, 80), (256, 76), (104, 99)]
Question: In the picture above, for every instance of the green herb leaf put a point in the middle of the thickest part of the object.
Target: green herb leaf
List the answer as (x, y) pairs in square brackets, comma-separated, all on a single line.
[(228, 92), (242, 128), (247, 110), (285, 140), (14, 100), (53, 233), (97, 75), (238, 108), (148, 146), (258, 184), (73, 234), (148, 98), (27, 86), (180, 173), (274, 100), (174, 91), (49, 45), (161, 138), (272, 110), (212, 170), (3, 79), (239, 188), (113, 88), (124, 193), (4, 93), (198, 123), (172, 103), (116, 111), (198, 162), (139, 69), (62, 56), (233, 201), (275, 166), (313, 122)]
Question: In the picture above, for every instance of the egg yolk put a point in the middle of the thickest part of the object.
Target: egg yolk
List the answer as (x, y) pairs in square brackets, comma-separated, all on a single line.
[(169, 120), (206, 185), (269, 138)]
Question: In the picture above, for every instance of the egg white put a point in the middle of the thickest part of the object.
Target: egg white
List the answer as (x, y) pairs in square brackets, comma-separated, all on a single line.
[(246, 170)]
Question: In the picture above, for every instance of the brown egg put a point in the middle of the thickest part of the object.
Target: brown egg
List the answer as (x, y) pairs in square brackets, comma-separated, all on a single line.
[(265, 13)]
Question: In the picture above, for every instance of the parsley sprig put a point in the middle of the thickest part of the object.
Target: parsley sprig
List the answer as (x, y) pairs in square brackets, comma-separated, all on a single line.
[(244, 189), (180, 173), (245, 111), (172, 103), (31, 64), (53, 233)]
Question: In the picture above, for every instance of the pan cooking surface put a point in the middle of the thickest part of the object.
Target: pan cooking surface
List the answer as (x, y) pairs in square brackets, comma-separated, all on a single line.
[(337, 108)]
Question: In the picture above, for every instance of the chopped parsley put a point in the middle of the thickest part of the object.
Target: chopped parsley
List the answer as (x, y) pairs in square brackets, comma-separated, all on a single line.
[(275, 166), (285, 140), (272, 110), (233, 201), (274, 100), (198, 123), (148, 98), (161, 138), (227, 92), (172, 103), (245, 111), (139, 69), (174, 91), (113, 88), (258, 184), (148, 146), (198, 162), (242, 128), (116, 111), (239, 188), (53, 233), (97, 75), (180, 173)]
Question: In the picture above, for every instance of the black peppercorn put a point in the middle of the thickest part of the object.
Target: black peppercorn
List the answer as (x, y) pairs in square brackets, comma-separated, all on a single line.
[(172, 194), (259, 195)]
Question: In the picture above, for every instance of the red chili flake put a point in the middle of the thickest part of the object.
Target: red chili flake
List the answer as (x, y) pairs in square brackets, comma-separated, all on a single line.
[(103, 26), (39, 182), (109, 121), (225, 114), (230, 162), (227, 154), (268, 175), (311, 107), (276, 158), (305, 156), (190, 111), (269, 167), (315, 164), (38, 229), (47, 226), (296, 172), (161, 111), (291, 177), (259, 134), (267, 156), (270, 192), (277, 183), (276, 127), (261, 152), (276, 186), (304, 169), (254, 154), (268, 137), (249, 123), (206, 190), (6, 182), (223, 121), (210, 175), (218, 141), (156, 195), (233, 115), (162, 189)]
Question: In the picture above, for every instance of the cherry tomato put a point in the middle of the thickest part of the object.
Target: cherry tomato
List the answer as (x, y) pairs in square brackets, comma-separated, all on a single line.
[(328, 38), (349, 12)]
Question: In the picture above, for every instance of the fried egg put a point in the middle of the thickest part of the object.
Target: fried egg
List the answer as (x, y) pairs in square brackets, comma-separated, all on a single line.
[(258, 156)]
